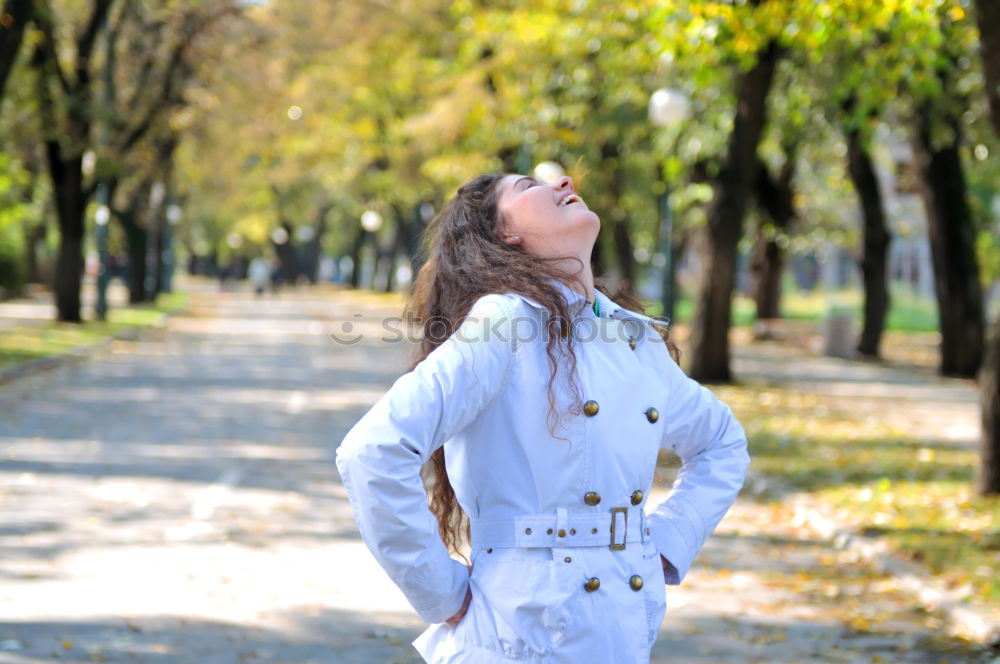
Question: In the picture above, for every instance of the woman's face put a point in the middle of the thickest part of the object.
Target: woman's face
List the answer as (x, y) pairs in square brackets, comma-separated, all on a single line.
[(546, 220)]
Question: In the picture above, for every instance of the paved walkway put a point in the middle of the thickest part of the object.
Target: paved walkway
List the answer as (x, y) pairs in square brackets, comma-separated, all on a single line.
[(174, 500)]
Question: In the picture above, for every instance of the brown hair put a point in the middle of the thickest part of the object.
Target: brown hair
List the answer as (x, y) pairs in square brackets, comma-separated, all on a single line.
[(466, 259)]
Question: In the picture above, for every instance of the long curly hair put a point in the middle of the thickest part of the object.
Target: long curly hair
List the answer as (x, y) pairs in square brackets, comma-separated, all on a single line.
[(466, 258)]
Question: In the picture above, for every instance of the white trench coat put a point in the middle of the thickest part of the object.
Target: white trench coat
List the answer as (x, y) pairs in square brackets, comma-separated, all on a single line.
[(565, 550)]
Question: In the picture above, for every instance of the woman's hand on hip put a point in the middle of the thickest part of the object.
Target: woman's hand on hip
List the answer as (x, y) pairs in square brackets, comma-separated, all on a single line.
[(465, 605)]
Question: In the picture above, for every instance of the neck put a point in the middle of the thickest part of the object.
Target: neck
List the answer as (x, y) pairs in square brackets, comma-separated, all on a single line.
[(585, 281)]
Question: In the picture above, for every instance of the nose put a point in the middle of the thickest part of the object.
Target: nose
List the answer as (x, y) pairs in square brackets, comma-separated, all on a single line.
[(564, 182)]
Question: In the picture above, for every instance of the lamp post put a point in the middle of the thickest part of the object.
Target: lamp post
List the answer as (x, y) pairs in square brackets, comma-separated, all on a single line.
[(154, 250), (667, 108), (101, 217), (549, 171), (174, 214), (371, 221), (279, 236)]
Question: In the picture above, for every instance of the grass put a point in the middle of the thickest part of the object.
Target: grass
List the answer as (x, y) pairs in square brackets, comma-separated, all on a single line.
[(22, 344), (937, 523), (908, 312), (872, 475)]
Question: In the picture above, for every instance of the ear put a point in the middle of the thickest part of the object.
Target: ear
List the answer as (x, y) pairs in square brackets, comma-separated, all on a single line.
[(512, 240)]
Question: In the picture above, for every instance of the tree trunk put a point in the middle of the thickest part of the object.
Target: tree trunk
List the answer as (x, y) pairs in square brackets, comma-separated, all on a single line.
[(597, 258), (67, 184), (710, 327), (15, 16), (988, 15), (508, 158), (286, 255), (315, 246), (154, 250), (767, 262), (775, 198), (392, 258), (875, 252), (356, 247), (402, 244), (624, 252), (989, 398), (71, 118), (34, 236), (952, 240), (135, 238), (414, 245)]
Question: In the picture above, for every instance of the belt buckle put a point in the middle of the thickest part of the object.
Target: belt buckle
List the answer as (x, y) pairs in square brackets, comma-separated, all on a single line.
[(614, 520)]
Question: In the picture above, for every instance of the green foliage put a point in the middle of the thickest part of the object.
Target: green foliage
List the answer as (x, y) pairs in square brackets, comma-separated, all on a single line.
[(13, 179)]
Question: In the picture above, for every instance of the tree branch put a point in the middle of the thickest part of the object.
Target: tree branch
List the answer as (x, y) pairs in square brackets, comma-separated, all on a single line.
[(85, 42), (46, 49), (170, 82), (16, 16)]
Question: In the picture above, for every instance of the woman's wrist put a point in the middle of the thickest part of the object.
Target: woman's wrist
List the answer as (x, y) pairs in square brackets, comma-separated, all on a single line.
[(465, 604)]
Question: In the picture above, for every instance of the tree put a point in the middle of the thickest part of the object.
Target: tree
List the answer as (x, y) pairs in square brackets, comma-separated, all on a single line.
[(65, 97), (14, 18), (149, 63), (988, 480), (952, 239), (774, 195), (938, 103), (712, 320), (875, 247)]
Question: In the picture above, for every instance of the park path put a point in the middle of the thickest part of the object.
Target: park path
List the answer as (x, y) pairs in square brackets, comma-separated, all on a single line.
[(174, 500)]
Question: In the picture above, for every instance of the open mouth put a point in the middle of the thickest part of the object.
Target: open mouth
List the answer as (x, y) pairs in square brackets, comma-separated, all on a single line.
[(572, 198)]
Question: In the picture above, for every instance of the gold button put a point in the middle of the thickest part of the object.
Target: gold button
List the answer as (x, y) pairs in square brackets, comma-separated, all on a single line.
[(590, 408), (635, 583), (568, 559), (636, 497), (592, 498), (631, 343), (652, 414), (592, 584), (561, 533)]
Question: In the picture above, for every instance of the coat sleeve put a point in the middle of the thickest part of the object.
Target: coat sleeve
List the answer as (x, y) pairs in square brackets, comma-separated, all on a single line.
[(712, 446), (381, 456)]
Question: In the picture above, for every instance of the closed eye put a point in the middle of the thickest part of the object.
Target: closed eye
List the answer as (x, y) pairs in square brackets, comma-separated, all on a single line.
[(530, 180)]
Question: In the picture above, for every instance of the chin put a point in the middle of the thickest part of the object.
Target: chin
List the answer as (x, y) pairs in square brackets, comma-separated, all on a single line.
[(590, 218), (590, 224)]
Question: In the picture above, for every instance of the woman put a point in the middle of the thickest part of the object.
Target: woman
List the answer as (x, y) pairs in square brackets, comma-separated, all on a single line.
[(539, 406)]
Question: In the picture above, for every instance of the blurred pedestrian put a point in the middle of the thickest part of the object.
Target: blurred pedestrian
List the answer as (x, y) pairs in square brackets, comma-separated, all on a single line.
[(276, 275), (260, 274)]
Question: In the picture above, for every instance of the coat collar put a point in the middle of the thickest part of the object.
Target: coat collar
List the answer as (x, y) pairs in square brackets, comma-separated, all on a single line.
[(578, 304)]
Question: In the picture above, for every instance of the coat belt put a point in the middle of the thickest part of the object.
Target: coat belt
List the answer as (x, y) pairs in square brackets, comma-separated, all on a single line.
[(562, 528)]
